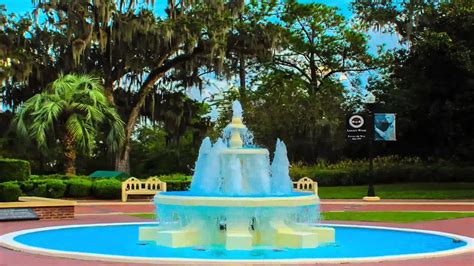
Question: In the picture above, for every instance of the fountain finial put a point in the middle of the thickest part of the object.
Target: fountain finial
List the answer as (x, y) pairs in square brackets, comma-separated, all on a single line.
[(236, 125)]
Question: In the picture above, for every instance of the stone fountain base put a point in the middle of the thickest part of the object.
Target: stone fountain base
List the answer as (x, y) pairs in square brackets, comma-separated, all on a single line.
[(237, 223)]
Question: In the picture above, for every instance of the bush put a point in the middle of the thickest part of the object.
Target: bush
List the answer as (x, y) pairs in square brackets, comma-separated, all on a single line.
[(9, 191), (39, 190), (59, 176), (177, 185), (49, 188), (390, 169), (107, 189), (326, 177), (13, 169), (55, 188), (79, 188)]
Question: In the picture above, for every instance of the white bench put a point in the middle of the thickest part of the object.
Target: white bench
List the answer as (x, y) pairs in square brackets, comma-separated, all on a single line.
[(306, 184), (134, 186)]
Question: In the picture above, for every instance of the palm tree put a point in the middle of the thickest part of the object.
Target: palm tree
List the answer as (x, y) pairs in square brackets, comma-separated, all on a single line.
[(70, 111)]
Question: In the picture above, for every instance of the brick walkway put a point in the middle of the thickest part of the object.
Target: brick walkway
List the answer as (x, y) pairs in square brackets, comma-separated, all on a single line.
[(107, 212)]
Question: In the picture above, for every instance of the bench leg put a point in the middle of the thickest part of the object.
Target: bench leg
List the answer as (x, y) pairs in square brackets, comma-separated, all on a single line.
[(124, 197)]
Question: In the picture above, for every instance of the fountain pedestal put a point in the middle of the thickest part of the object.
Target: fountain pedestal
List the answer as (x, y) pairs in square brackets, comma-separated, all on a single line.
[(237, 223)]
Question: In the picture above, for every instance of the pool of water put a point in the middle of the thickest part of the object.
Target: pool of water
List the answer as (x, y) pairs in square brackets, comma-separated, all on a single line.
[(351, 242), (201, 194)]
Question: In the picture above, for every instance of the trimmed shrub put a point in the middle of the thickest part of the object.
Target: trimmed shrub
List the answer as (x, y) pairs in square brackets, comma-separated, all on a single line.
[(14, 169), (391, 169), (49, 188), (79, 188), (59, 176), (39, 190), (107, 189), (55, 188), (326, 177), (9, 191), (178, 185)]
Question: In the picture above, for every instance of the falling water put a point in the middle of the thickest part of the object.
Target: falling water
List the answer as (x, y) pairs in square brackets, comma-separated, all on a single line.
[(281, 182), (243, 170)]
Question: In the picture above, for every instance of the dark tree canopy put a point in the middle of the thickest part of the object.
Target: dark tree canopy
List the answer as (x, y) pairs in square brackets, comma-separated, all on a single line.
[(430, 85)]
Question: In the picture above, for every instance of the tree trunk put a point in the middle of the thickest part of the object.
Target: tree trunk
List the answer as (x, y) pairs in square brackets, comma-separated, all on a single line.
[(69, 154), (242, 76), (122, 162)]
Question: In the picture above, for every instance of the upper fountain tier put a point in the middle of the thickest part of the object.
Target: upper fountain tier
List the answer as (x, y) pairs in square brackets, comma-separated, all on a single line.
[(233, 166)]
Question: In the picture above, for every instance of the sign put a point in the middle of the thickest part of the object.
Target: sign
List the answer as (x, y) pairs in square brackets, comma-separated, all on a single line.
[(17, 214), (384, 127), (356, 127)]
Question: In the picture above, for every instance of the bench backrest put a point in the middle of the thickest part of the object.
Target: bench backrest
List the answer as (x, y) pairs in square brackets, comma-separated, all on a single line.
[(306, 184), (135, 184)]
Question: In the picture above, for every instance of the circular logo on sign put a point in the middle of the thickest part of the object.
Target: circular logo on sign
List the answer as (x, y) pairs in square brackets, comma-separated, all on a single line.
[(356, 121)]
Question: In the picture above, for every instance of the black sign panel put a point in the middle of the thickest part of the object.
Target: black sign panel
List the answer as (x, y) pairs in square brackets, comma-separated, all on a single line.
[(356, 127), (17, 214)]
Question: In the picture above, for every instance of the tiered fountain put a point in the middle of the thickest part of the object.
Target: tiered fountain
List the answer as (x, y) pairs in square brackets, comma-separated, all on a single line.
[(240, 209), (238, 200)]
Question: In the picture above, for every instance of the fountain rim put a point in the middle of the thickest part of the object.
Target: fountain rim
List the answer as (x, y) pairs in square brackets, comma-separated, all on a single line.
[(305, 199), (8, 241)]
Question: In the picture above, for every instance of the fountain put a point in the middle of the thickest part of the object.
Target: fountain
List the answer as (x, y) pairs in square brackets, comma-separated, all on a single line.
[(240, 209), (238, 201)]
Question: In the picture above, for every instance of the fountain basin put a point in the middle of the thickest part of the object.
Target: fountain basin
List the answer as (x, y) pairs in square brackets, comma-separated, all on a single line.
[(190, 219), (188, 198), (118, 242)]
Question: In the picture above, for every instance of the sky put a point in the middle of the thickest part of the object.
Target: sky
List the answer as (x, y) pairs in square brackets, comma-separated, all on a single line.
[(376, 38)]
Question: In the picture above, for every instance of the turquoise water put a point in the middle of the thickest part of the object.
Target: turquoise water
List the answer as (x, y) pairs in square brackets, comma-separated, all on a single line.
[(202, 194), (351, 242)]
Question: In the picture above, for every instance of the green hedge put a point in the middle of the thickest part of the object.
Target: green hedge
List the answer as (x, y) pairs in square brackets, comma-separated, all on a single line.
[(78, 188), (177, 185), (384, 173), (9, 191), (59, 176), (49, 188), (176, 182), (107, 189), (55, 188), (13, 169)]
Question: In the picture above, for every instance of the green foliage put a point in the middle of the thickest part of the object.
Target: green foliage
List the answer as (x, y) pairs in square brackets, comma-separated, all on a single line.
[(59, 176), (390, 169), (9, 191), (49, 188), (77, 105), (55, 188), (311, 125), (178, 185), (176, 182), (107, 189), (13, 169), (320, 43), (77, 188), (151, 155), (429, 85), (72, 109)]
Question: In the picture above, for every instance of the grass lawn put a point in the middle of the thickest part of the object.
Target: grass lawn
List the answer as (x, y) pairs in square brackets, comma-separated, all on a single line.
[(396, 217), (403, 191)]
